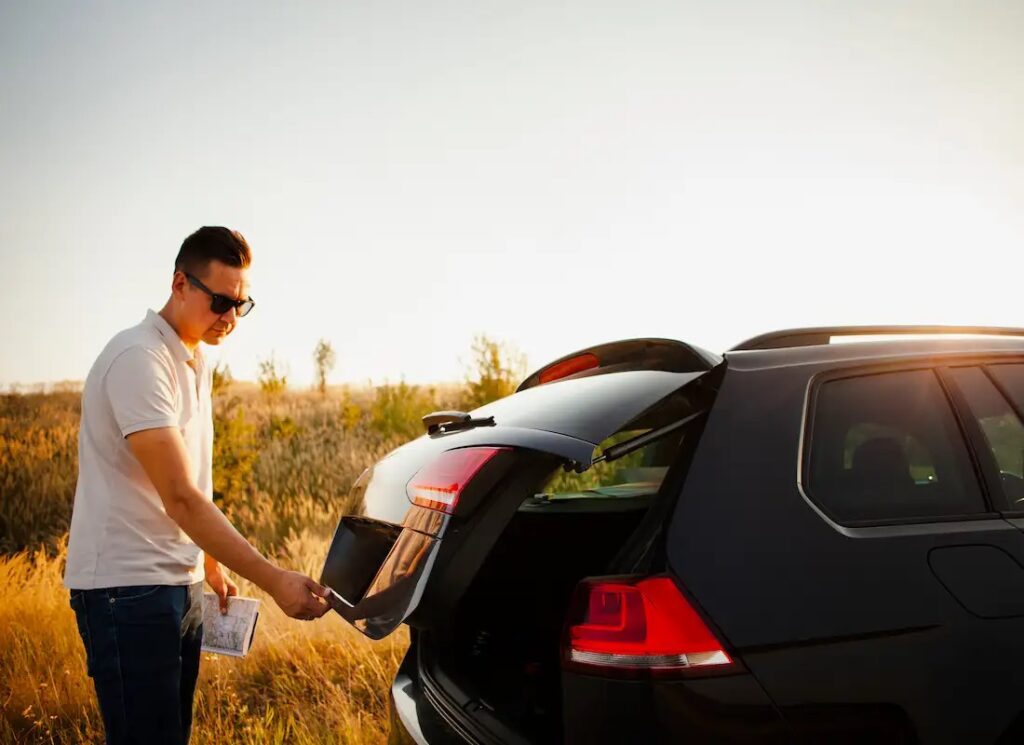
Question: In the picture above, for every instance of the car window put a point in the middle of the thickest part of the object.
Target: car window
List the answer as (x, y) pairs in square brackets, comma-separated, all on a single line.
[(886, 447), (919, 460), (1011, 379), (638, 474), (1001, 427)]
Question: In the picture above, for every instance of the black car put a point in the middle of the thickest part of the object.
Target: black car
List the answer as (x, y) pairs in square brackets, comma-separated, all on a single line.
[(798, 541)]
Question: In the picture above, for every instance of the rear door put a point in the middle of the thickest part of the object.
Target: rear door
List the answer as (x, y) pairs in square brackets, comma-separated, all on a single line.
[(432, 509)]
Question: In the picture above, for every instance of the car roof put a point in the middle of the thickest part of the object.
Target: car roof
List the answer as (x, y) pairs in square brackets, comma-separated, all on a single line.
[(851, 352)]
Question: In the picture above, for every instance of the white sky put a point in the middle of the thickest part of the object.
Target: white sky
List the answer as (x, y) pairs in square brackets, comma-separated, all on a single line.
[(555, 174)]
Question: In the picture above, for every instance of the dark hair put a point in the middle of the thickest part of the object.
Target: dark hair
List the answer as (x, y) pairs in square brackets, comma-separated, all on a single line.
[(212, 244)]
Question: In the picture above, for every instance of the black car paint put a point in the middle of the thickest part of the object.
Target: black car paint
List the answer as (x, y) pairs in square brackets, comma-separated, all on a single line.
[(835, 620), (882, 633)]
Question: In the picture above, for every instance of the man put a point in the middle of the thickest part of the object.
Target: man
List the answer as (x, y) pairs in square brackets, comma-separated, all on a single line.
[(143, 514)]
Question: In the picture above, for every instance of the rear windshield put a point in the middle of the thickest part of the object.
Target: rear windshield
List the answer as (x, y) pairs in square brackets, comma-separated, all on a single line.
[(638, 474), (641, 472)]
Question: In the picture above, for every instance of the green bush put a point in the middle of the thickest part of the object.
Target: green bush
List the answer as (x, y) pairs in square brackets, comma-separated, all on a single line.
[(494, 372)]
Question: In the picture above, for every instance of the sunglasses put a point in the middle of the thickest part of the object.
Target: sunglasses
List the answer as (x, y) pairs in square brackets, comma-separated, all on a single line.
[(222, 303)]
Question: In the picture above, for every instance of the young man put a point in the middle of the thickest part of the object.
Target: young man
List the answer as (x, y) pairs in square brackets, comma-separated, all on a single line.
[(143, 515)]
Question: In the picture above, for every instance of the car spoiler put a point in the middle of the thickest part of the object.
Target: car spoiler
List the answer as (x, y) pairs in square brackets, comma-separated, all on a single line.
[(619, 356)]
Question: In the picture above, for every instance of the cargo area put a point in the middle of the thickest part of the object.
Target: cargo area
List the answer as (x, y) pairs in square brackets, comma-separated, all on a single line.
[(501, 652), (478, 534)]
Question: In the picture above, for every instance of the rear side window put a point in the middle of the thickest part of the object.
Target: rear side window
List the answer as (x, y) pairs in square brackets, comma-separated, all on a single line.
[(886, 447), (1001, 428)]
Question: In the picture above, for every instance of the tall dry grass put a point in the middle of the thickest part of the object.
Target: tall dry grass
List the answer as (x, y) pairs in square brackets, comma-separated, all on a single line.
[(38, 467), (282, 463), (283, 466), (316, 682)]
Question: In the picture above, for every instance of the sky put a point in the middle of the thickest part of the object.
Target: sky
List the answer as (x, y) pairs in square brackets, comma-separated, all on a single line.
[(552, 174)]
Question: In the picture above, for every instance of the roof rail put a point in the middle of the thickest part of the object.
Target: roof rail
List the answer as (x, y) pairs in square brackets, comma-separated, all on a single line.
[(811, 337)]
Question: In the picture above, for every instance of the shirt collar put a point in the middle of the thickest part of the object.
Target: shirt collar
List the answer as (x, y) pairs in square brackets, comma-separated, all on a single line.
[(170, 337)]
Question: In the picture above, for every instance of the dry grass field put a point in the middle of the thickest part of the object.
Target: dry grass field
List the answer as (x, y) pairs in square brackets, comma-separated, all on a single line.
[(283, 464)]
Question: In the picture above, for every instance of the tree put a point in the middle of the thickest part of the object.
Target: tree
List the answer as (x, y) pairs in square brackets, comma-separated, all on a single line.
[(271, 378), (493, 373), (324, 359)]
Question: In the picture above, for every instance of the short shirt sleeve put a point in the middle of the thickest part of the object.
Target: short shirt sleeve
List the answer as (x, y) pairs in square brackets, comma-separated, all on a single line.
[(142, 391)]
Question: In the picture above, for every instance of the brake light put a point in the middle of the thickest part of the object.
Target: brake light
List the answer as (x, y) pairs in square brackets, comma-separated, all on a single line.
[(639, 627), (438, 485), (568, 367)]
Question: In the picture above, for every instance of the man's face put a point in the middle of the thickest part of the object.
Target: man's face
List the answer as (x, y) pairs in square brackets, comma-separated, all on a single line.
[(196, 319)]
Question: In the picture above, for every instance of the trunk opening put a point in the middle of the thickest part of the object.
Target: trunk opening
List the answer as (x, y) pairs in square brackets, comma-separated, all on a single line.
[(496, 658), (501, 651)]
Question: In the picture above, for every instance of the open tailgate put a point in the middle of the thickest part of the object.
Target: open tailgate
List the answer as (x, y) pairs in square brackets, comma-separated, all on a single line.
[(386, 552)]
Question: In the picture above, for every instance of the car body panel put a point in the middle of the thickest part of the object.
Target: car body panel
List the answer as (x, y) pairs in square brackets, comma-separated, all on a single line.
[(889, 633)]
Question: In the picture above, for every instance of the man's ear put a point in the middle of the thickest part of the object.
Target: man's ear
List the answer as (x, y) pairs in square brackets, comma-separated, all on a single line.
[(179, 283)]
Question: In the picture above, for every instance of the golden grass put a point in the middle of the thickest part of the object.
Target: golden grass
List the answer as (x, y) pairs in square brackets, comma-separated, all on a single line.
[(316, 682), (38, 467), (283, 465)]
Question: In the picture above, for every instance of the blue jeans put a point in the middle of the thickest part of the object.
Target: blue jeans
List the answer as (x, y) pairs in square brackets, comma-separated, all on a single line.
[(142, 653)]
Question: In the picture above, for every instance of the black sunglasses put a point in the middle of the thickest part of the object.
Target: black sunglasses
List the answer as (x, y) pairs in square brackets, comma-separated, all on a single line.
[(222, 303)]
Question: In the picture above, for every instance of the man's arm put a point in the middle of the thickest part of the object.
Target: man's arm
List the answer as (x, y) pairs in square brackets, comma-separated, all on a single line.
[(164, 458)]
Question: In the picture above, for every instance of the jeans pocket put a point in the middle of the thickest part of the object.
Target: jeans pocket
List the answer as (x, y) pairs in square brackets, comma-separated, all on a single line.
[(132, 593), (78, 605)]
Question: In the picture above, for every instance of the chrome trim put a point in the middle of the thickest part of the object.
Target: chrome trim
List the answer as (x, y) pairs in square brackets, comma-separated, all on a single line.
[(647, 661)]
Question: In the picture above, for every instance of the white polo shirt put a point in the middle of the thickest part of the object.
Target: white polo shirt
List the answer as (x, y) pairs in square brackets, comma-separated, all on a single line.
[(120, 533)]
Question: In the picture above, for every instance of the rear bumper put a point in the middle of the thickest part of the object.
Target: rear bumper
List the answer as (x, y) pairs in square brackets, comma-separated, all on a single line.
[(415, 715), (718, 709), (424, 713), (406, 727)]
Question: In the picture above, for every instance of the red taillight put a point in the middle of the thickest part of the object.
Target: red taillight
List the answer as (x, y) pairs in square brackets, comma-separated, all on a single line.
[(437, 485), (637, 627), (568, 367)]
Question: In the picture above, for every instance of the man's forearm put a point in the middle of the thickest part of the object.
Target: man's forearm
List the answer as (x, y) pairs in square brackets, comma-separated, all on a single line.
[(211, 563), (205, 524)]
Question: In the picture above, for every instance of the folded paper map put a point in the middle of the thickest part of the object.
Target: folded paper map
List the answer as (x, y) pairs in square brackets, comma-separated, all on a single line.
[(232, 633)]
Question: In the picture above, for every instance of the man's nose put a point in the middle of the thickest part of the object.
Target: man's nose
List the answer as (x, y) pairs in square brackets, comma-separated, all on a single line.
[(230, 316)]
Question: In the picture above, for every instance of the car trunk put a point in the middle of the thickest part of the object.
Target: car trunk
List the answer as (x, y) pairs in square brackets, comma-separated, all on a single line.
[(476, 536), (498, 660)]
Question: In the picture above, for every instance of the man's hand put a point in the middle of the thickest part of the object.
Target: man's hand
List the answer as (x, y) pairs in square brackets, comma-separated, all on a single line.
[(220, 583), (299, 596)]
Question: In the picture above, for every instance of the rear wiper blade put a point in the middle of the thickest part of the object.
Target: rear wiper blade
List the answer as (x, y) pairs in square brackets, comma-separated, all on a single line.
[(625, 448), (453, 421)]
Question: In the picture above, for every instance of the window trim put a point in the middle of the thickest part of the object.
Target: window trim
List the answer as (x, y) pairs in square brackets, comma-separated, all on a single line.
[(861, 370), (982, 459)]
